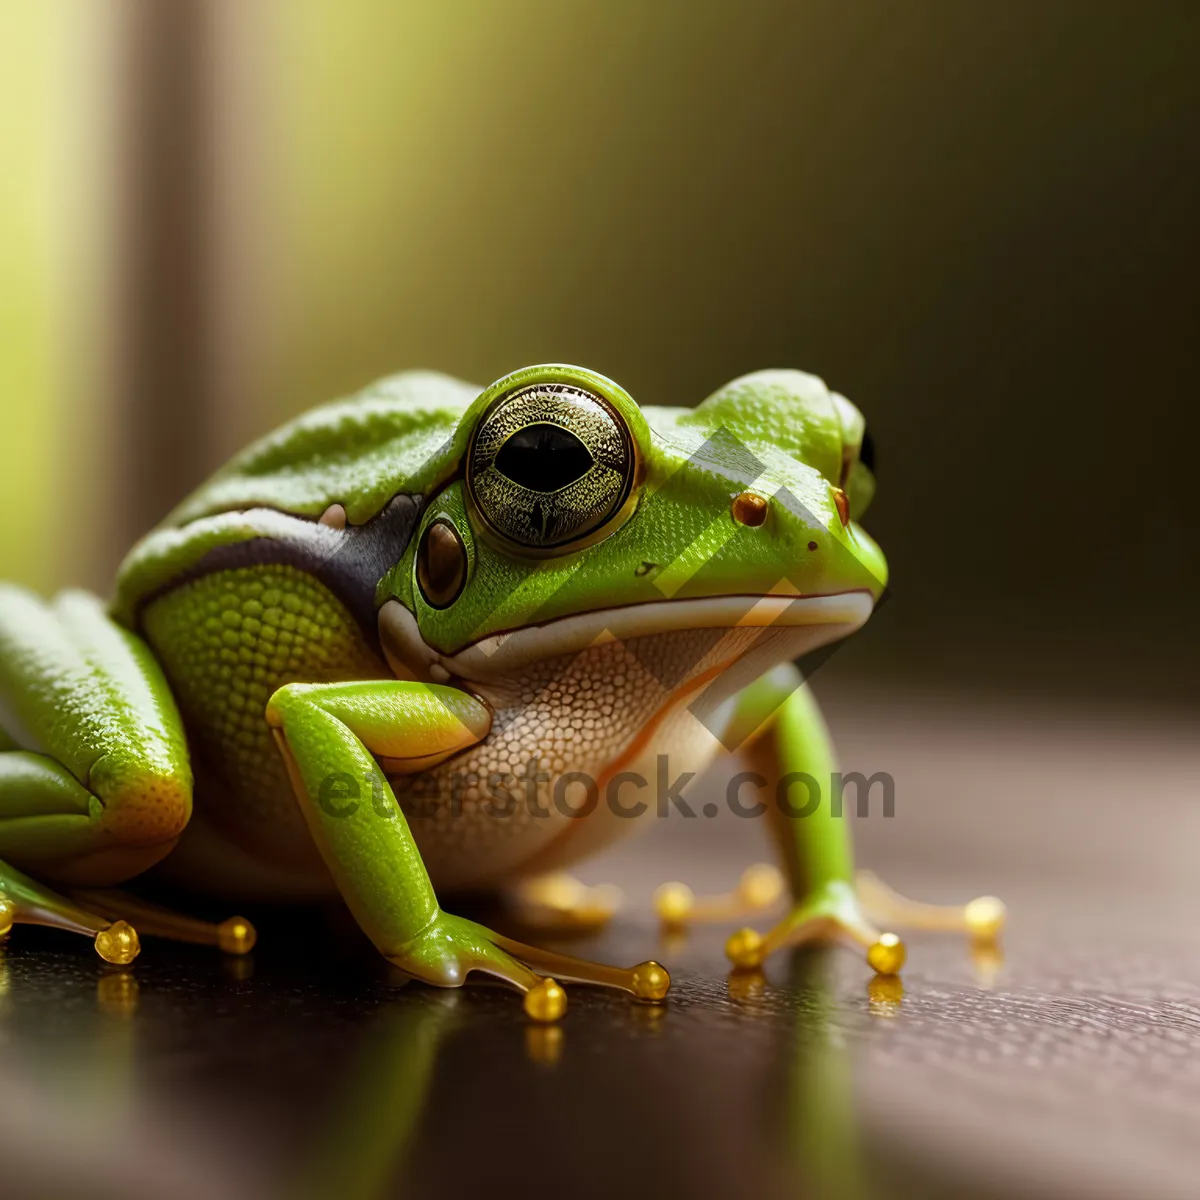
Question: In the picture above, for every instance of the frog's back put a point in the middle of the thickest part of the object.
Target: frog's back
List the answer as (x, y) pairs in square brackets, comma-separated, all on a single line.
[(397, 435), (397, 438)]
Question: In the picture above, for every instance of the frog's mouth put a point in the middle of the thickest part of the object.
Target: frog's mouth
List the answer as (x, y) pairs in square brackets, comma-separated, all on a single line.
[(825, 618)]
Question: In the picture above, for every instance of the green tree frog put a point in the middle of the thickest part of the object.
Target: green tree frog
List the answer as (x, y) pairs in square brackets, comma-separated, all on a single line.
[(430, 640)]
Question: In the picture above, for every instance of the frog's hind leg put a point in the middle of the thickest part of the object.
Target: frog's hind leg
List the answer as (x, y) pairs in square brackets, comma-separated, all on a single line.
[(95, 784), (791, 747)]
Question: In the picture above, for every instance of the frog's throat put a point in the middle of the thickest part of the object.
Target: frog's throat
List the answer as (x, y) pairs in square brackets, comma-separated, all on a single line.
[(828, 618)]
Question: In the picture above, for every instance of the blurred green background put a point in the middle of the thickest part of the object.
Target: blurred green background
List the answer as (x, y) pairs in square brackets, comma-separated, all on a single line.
[(979, 221)]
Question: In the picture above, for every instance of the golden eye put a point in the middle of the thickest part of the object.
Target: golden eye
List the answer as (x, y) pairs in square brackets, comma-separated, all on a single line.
[(549, 464), (441, 563)]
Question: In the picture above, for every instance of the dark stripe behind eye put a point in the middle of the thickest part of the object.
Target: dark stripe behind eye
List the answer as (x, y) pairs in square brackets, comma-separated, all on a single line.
[(349, 565)]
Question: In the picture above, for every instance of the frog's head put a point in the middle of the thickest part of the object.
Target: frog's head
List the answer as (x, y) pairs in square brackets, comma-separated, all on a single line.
[(573, 516)]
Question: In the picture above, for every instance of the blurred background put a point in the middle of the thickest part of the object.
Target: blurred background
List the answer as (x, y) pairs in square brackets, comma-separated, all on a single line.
[(977, 221)]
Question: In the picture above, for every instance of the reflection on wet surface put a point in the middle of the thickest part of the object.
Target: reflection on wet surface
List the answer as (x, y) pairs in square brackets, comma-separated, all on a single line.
[(321, 1076), (313, 1071), (1068, 1063)]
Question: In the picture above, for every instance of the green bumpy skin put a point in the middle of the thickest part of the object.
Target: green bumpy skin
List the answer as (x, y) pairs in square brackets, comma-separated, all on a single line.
[(336, 617), (790, 442), (229, 640), (96, 784)]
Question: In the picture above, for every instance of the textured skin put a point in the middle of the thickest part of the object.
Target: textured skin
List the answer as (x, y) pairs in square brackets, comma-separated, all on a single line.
[(781, 432), (680, 541), (227, 642), (408, 434), (336, 732), (612, 708), (281, 691), (401, 434), (89, 697), (230, 640)]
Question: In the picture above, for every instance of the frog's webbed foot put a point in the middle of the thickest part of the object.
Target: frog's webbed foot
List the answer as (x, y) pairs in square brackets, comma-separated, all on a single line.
[(831, 913), (561, 903), (760, 889), (235, 935), (982, 919), (450, 948), (841, 912)]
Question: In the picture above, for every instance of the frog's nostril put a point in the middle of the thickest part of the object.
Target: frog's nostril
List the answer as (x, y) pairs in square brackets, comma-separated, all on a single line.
[(749, 509)]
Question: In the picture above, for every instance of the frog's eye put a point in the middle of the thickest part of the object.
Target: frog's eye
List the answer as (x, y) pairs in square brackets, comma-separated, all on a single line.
[(441, 563), (549, 465)]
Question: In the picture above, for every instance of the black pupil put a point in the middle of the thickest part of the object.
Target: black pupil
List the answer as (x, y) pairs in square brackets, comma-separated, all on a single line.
[(543, 458)]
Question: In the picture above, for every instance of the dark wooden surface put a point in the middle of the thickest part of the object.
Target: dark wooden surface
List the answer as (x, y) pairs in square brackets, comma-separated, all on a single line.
[(1070, 1068)]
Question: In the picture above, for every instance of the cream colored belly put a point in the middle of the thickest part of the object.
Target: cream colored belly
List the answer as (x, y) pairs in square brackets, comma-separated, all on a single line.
[(576, 744)]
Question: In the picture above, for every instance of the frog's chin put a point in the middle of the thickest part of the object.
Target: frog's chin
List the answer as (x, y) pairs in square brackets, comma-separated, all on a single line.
[(823, 618)]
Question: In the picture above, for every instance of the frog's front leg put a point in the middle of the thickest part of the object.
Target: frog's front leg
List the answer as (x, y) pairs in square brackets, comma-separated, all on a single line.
[(829, 902), (332, 736)]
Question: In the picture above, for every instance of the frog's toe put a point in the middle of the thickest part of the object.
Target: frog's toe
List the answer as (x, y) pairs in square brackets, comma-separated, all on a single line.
[(760, 889), (982, 919), (560, 902), (234, 936), (118, 943), (886, 954), (647, 980), (545, 1001)]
